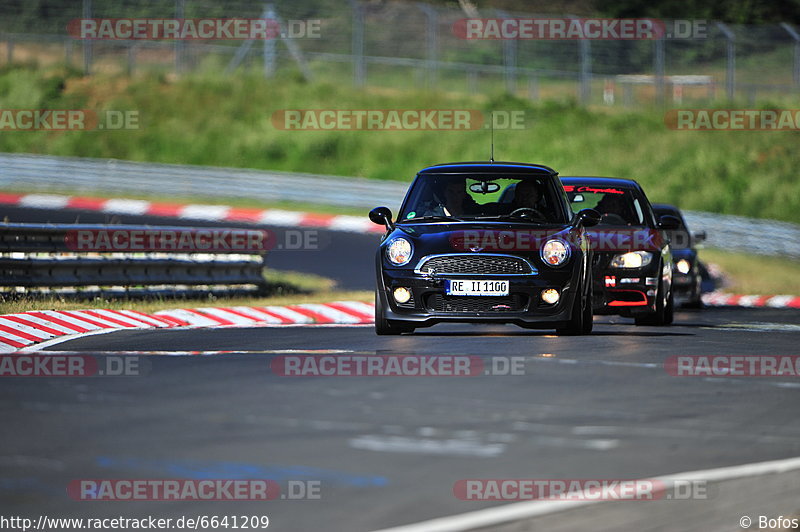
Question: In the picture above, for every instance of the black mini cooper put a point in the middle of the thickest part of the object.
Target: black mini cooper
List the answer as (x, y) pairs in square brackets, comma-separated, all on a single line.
[(484, 242)]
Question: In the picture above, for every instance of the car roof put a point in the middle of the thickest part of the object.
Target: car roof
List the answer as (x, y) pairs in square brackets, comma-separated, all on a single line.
[(601, 181), (484, 167), (665, 207)]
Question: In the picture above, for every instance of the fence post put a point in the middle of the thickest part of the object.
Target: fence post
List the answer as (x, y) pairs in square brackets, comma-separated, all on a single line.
[(509, 59), (658, 67), (627, 94), (730, 74), (430, 38), (472, 81), (269, 51), (796, 69), (359, 70), (131, 65), (68, 46), (87, 43), (586, 70), (533, 87), (180, 44)]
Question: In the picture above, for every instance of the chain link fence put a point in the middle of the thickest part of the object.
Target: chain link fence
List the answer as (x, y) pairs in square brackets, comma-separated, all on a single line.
[(414, 44)]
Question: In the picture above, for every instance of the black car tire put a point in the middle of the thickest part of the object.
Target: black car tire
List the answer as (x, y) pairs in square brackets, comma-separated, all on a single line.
[(384, 327), (580, 321), (588, 315), (695, 302), (664, 311), (669, 312)]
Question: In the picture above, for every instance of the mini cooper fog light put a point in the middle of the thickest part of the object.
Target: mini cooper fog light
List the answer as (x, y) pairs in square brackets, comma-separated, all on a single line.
[(683, 266), (402, 294), (550, 296)]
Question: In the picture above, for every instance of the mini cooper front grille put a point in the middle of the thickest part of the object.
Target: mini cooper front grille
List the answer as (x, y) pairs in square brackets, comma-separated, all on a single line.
[(475, 265), (443, 303)]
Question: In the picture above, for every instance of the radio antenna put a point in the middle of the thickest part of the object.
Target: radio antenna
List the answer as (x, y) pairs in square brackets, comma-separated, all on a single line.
[(491, 125)]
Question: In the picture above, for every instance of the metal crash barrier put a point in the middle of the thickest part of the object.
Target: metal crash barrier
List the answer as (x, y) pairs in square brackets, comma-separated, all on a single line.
[(131, 257)]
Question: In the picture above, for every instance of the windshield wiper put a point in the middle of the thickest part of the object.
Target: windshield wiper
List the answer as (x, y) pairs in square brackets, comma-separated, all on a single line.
[(432, 218)]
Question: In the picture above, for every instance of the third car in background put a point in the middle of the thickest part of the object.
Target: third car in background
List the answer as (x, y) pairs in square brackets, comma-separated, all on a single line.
[(687, 271)]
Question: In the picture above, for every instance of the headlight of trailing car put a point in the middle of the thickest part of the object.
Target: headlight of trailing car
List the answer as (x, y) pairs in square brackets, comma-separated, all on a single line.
[(399, 251), (555, 252), (634, 259), (683, 266)]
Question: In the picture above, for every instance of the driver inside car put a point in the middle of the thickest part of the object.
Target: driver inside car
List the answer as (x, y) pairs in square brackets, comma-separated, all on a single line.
[(527, 196), (451, 199), (613, 210)]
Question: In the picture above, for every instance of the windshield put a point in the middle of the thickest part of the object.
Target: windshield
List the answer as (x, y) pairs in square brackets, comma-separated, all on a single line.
[(526, 199), (617, 206)]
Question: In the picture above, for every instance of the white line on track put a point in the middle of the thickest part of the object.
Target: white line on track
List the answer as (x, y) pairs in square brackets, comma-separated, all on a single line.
[(529, 509)]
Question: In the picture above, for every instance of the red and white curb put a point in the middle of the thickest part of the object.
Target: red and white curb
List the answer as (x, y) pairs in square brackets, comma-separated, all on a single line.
[(214, 213), (721, 299), (26, 329)]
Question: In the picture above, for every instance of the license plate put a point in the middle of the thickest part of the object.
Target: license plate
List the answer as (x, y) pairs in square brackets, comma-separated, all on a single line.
[(469, 287)]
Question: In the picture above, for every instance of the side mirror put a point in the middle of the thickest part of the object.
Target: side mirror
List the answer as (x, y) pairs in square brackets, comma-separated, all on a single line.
[(699, 236), (382, 216), (668, 222), (589, 217)]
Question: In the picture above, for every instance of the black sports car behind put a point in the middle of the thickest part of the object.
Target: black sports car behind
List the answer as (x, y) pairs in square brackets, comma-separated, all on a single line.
[(632, 257)]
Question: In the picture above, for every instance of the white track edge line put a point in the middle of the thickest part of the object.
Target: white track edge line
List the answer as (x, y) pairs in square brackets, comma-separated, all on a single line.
[(528, 509), (66, 338)]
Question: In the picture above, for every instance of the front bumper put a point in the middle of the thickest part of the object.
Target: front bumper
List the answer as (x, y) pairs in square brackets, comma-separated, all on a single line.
[(628, 292), (523, 306)]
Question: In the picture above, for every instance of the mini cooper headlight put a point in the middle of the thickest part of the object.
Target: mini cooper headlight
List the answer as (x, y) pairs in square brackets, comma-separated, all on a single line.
[(555, 252), (399, 251), (634, 259), (683, 266)]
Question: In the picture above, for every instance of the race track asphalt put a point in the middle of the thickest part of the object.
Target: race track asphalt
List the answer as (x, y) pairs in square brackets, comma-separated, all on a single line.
[(388, 450)]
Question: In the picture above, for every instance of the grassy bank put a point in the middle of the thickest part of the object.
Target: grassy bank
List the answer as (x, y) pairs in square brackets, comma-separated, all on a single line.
[(211, 119), (749, 274)]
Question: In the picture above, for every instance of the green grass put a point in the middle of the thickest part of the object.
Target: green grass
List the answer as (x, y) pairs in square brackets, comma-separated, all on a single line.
[(750, 274), (212, 119)]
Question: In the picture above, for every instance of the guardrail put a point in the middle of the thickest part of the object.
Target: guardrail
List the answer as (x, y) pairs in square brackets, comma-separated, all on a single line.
[(38, 172), (44, 172), (131, 256)]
